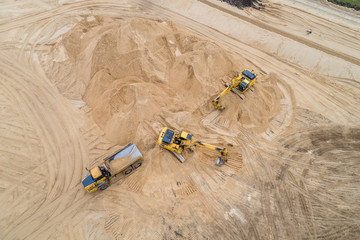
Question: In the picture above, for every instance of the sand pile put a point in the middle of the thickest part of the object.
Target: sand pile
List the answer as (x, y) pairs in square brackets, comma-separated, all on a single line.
[(133, 72)]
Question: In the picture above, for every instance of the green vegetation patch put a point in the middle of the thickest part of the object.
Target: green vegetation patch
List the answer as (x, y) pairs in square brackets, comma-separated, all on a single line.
[(347, 3)]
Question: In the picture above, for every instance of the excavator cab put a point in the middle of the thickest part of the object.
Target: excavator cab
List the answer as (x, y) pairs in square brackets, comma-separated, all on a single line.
[(242, 87), (185, 135), (247, 78)]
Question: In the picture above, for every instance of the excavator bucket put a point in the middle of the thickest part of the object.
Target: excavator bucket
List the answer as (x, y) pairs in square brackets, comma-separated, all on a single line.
[(221, 161)]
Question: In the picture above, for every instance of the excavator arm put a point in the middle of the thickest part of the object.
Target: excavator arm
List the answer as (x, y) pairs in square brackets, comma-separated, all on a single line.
[(223, 151), (234, 83), (216, 101)]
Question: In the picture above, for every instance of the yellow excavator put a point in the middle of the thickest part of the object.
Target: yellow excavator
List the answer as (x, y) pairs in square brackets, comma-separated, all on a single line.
[(177, 141), (239, 84)]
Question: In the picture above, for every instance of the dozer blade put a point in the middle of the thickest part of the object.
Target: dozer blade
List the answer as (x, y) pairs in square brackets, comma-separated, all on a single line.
[(178, 156), (237, 92)]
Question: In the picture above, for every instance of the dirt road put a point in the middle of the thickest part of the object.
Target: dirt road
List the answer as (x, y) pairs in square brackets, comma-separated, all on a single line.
[(80, 79)]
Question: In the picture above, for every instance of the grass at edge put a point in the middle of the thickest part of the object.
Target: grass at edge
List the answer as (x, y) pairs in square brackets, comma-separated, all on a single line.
[(347, 3)]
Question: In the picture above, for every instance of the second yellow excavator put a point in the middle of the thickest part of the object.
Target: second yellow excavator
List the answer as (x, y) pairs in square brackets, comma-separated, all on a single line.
[(176, 141), (239, 84)]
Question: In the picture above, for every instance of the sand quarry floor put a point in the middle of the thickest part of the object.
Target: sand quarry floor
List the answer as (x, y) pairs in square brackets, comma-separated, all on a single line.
[(81, 79)]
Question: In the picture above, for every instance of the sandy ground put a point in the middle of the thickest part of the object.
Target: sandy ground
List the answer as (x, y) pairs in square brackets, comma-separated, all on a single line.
[(80, 79)]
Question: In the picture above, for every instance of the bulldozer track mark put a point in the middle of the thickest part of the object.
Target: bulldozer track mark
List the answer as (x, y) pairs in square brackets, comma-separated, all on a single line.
[(14, 78), (211, 117), (21, 183), (220, 177), (134, 182), (235, 163), (307, 216), (315, 198), (290, 206), (111, 220), (267, 204), (248, 137), (338, 232), (283, 169), (72, 7), (253, 232), (184, 187), (185, 191), (279, 209), (303, 204), (24, 110), (52, 210)]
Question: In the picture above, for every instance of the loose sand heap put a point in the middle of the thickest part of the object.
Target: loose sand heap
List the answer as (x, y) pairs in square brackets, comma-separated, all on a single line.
[(81, 80), (138, 74)]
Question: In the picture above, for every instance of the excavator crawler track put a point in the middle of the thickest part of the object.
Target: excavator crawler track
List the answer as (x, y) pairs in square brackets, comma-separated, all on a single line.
[(178, 156), (237, 92)]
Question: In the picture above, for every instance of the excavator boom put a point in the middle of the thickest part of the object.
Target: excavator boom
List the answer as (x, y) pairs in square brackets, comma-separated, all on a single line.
[(216, 101)]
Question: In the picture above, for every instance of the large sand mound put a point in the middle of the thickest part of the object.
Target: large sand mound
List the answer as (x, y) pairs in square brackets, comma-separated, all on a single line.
[(141, 70)]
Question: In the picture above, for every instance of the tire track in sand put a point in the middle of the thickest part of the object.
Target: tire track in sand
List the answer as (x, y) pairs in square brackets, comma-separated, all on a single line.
[(61, 153)]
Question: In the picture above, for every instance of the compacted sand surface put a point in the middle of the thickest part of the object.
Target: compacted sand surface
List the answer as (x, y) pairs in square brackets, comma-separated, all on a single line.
[(81, 79)]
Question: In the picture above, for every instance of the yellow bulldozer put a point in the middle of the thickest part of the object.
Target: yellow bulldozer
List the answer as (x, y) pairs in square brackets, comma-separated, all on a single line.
[(238, 85), (177, 141)]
